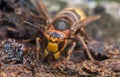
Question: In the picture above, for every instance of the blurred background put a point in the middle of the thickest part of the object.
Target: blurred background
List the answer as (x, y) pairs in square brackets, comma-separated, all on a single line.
[(107, 28), (14, 12)]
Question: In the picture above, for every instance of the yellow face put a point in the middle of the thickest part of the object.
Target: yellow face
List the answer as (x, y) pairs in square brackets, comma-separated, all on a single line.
[(54, 40), (52, 48)]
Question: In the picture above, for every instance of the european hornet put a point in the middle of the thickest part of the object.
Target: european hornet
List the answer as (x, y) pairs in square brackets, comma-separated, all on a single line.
[(65, 28)]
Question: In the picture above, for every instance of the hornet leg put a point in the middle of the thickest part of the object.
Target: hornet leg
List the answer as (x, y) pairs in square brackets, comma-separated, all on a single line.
[(86, 48), (71, 50)]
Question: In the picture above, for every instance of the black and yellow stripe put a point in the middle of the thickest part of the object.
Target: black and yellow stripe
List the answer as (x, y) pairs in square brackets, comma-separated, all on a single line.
[(71, 15)]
